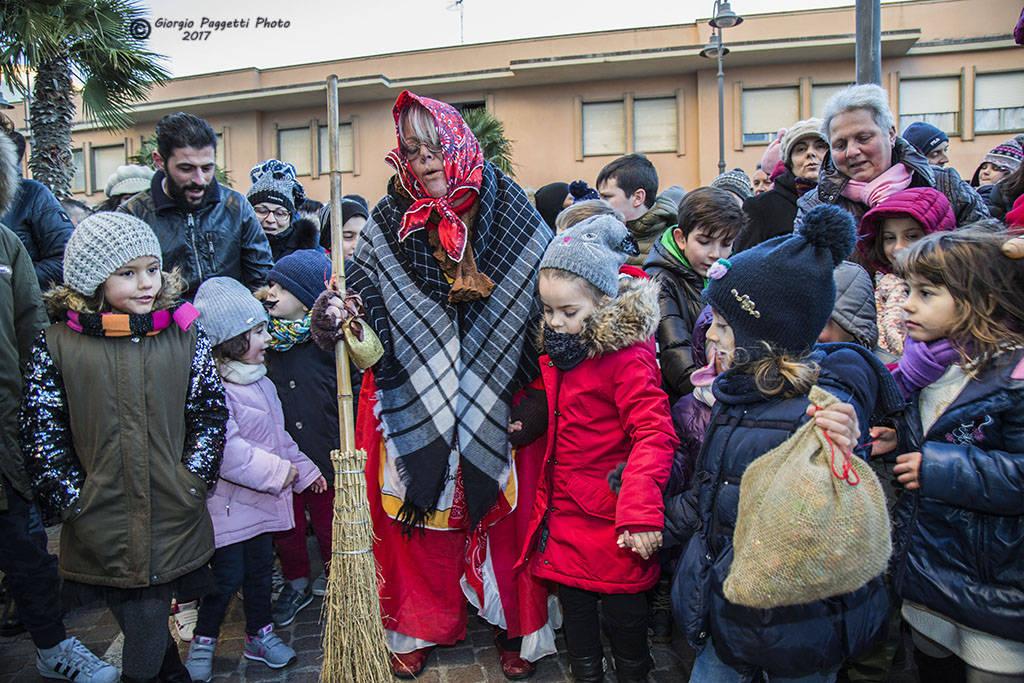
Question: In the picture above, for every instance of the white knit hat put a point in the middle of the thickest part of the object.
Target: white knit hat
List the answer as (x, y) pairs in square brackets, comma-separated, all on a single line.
[(798, 131), (129, 179), (101, 244)]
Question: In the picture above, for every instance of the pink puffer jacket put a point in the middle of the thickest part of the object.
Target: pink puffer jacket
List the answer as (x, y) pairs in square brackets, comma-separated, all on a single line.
[(250, 497)]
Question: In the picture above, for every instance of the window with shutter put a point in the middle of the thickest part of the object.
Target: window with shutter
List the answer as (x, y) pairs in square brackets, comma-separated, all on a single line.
[(999, 102), (931, 100), (766, 110)]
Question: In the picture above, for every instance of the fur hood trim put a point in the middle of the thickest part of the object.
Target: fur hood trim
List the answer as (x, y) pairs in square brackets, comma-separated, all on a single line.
[(10, 173), (307, 234), (62, 298), (630, 318)]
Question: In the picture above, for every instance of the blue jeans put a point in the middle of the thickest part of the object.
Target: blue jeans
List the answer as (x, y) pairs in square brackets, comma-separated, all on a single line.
[(708, 668), (246, 564)]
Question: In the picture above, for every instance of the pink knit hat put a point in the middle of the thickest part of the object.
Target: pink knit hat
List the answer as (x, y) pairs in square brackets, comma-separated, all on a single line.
[(772, 155)]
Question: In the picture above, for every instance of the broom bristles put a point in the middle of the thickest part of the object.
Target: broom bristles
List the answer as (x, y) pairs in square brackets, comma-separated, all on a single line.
[(354, 644)]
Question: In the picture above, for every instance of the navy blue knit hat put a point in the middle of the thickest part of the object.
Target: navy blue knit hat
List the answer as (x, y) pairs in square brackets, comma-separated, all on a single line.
[(303, 273), (924, 136), (782, 291)]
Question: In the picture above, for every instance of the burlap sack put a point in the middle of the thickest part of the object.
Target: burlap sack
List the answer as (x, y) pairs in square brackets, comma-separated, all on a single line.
[(802, 533)]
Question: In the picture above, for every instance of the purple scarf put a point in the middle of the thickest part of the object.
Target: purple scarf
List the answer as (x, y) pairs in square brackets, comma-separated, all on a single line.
[(923, 363)]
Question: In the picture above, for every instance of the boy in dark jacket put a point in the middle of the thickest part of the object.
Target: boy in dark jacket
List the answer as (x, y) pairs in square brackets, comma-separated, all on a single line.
[(709, 220), (307, 386)]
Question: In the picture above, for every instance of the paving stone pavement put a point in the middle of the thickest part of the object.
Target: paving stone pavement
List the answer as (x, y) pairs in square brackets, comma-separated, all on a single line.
[(473, 660)]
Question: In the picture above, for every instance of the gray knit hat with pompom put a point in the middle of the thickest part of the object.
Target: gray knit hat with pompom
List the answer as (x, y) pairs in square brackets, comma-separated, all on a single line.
[(101, 244)]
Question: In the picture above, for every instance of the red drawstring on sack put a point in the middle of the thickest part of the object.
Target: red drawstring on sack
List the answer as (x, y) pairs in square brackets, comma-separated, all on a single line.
[(849, 474)]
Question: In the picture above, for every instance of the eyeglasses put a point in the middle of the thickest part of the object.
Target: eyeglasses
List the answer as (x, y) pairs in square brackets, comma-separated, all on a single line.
[(411, 147), (279, 214)]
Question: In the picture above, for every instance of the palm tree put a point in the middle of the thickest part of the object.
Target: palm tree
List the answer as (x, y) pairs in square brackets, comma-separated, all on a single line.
[(491, 134), (64, 41)]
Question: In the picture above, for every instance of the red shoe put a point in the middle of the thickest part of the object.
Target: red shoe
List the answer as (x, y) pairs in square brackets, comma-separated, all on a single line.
[(513, 666), (409, 664)]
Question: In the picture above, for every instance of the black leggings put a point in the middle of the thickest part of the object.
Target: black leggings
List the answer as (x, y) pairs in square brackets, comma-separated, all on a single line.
[(625, 621)]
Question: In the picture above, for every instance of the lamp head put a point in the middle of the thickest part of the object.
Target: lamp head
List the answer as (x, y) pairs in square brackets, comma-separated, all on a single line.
[(724, 16), (713, 47)]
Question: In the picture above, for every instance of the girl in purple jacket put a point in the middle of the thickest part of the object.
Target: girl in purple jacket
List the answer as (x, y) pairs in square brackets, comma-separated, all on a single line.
[(262, 466)]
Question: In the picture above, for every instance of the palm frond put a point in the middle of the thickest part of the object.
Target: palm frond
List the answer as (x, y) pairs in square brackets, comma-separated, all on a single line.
[(490, 132)]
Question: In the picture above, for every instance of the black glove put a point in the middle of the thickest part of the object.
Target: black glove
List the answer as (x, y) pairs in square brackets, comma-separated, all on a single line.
[(615, 478), (532, 412)]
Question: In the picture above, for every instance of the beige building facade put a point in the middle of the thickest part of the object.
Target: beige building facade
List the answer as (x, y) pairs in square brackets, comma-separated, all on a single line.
[(572, 103)]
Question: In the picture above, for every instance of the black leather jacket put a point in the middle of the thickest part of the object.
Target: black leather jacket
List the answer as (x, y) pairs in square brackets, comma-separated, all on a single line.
[(221, 237)]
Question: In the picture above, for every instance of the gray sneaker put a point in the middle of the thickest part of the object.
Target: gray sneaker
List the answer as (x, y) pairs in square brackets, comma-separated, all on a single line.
[(267, 647), (320, 585), (200, 658), (73, 661), (289, 603)]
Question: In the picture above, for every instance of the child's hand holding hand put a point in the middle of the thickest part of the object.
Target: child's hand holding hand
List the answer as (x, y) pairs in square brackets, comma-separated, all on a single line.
[(839, 421), (292, 473), (644, 543), (908, 470), (883, 440), (318, 486)]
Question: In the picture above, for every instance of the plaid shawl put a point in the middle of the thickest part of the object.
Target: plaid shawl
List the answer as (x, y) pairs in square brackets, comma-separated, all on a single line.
[(449, 370)]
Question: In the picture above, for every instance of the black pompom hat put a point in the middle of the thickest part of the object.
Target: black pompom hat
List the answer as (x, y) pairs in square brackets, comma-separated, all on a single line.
[(782, 291)]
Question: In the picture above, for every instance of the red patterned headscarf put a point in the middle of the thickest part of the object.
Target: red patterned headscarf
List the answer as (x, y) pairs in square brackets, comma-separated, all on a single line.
[(463, 169)]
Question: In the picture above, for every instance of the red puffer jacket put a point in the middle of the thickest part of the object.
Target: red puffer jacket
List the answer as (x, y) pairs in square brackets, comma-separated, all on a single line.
[(607, 410)]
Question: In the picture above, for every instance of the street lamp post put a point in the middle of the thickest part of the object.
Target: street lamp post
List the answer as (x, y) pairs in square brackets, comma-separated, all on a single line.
[(723, 18)]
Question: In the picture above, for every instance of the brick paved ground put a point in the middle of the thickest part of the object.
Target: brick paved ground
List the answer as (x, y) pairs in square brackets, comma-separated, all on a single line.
[(474, 659)]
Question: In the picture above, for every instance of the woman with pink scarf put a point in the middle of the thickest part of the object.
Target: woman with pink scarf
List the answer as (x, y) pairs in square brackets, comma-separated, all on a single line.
[(869, 162)]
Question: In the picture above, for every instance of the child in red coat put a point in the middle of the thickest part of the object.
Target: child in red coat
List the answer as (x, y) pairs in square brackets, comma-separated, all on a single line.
[(605, 405)]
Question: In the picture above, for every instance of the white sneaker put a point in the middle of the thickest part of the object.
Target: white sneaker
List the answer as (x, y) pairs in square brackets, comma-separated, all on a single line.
[(73, 661), (186, 614)]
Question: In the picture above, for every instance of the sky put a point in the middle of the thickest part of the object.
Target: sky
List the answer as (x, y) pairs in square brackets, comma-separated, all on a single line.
[(284, 33)]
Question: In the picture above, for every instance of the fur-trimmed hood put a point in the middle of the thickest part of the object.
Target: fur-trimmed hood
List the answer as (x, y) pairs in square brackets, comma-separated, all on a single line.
[(62, 298), (10, 173), (628, 319)]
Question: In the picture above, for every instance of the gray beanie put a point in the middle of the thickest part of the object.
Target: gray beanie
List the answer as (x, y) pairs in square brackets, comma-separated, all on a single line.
[(227, 309), (735, 181), (101, 244), (594, 249)]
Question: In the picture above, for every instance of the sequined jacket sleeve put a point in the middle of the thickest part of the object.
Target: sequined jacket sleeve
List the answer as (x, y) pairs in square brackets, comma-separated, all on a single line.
[(206, 415), (50, 458)]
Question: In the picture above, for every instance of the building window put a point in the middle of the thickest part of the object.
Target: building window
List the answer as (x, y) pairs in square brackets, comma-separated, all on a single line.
[(931, 100), (820, 95), (78, 180), (347, 157), (219, 158), (654, 125), (105, 161), (293, 146), (604, 128), (766, 110), (999, 102)]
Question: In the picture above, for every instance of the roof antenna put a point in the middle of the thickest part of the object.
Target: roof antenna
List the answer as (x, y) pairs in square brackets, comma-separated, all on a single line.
[(457, 5)]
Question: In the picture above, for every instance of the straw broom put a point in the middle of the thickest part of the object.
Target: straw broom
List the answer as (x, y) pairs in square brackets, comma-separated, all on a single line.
[(354, 644)]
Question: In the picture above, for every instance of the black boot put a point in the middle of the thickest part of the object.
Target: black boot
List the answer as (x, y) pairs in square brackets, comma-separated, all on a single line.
[(172, 670), (632, 670), (939, 669), (587, 669)]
